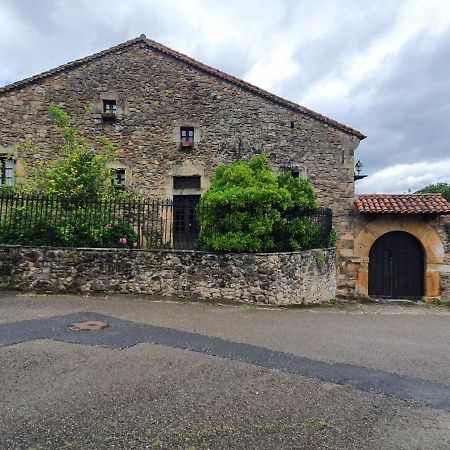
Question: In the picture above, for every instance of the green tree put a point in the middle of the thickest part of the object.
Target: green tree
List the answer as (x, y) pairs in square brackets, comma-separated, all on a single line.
[(441, 188), (73, 189), (81, 173), (249, 209)]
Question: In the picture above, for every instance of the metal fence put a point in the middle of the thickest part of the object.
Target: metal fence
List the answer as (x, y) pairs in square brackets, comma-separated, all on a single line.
[(137, 223)]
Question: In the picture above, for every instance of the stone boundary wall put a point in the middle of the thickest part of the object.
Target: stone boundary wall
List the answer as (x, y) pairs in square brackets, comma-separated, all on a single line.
[(273, 278)]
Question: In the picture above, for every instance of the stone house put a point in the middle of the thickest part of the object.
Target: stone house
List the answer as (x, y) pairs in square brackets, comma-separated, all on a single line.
[(174, 120)]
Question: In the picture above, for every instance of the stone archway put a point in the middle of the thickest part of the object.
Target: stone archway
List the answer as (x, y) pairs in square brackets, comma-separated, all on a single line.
[(432, 246)]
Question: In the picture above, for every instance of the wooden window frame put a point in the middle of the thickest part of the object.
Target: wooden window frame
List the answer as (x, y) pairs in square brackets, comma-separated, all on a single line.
[(187, 137), (3, 171), (109, 109)]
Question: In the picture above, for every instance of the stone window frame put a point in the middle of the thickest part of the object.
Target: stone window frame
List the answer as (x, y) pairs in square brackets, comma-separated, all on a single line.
[(110, 97)]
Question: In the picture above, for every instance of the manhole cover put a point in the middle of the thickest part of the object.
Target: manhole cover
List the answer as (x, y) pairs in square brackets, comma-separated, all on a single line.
[(90, 325)]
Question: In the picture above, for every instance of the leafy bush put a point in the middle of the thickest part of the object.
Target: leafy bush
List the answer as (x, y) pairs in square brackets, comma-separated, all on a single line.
[(249, 209), (74, 185), (83, 227)]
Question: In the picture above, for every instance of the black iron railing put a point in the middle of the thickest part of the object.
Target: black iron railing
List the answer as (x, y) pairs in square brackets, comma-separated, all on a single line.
[(138, 223)]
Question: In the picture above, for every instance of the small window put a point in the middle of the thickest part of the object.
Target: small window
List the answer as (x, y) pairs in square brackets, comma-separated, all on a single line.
[(110, 107), (187, 136), (292, 124), (6, 171), (187, 182), (118, 178)]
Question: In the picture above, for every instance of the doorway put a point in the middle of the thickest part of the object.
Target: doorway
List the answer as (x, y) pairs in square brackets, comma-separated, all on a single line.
[(185, 225), (396, 267)]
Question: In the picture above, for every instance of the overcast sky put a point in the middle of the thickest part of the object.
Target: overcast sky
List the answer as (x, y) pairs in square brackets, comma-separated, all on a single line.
[(382, 67)]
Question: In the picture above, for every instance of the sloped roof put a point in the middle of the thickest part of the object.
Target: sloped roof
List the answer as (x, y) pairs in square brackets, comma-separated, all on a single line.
[(193, 63), (402, 204)]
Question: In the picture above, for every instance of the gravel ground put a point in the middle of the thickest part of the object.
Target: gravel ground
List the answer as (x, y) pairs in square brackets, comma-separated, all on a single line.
[(57, 395)]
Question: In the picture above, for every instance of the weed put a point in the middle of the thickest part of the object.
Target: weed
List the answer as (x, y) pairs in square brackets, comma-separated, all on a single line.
[(320, 257), (108, 439), (158, 443), (247, 307), (439, 302), (324, 424)]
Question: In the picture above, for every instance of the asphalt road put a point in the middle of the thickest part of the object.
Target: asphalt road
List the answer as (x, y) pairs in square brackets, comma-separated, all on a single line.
[(57, 394)]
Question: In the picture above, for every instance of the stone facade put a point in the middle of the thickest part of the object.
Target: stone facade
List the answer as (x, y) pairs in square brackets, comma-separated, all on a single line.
[(275, 278), (157, 91)]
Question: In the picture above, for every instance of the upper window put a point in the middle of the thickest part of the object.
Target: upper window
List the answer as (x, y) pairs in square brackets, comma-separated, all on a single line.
[(187, 136), (110, 107), (6, 171)]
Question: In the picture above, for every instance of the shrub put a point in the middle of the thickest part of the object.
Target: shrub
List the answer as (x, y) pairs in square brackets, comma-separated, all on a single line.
[(71, 227), (249, 209)]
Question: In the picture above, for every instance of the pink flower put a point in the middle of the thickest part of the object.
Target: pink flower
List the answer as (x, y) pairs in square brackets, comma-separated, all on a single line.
[(123, 241), (108, 225)]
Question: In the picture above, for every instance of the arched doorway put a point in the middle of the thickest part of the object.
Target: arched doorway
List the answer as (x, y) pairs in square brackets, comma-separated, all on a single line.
[(396, 266)]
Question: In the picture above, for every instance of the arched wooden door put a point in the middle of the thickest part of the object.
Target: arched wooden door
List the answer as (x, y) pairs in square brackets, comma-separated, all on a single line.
[(396, 266)]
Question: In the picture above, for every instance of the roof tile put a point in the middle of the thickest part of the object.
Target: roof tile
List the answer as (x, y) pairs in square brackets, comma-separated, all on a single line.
[(402, 204)]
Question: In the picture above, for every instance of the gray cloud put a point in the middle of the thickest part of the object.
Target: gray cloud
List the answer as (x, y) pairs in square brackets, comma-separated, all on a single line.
[(328, 55), (403, 105), (407, 119)]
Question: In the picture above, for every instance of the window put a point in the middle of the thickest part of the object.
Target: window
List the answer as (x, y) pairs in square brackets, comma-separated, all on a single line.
[(118, 178), (187, 182), (6, 171), (187, 136), (110, 107)]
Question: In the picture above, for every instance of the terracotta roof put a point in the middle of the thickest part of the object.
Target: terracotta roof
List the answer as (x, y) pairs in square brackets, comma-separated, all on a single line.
[(402, 204), (197, 65)]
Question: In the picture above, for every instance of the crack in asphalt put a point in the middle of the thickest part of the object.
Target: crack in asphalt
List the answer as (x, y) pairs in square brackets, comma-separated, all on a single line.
[(124, 333)]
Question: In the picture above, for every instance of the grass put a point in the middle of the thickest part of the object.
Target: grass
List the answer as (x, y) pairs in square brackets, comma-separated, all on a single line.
[(247, 307), (190, 440)]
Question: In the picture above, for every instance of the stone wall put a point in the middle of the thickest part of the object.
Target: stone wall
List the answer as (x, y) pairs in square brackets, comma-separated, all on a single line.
[(273, 278), (156, 94), (442, 228)]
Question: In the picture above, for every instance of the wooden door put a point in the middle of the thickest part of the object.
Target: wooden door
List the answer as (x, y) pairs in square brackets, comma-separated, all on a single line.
[(396, 267)]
